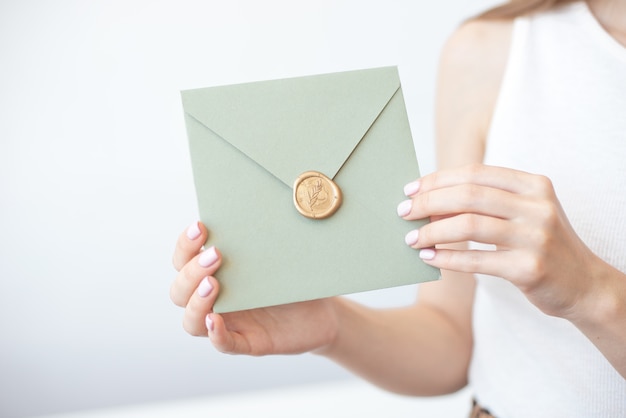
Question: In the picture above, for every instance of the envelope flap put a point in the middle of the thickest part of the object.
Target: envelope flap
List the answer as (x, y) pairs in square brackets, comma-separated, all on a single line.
[(294, 125)]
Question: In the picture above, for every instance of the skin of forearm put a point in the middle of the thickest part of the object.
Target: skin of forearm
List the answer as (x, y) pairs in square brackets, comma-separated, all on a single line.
[(412, 351), (601, 316)]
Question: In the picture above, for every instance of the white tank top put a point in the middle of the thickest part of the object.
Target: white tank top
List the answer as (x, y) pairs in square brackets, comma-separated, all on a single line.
[(561, 112)]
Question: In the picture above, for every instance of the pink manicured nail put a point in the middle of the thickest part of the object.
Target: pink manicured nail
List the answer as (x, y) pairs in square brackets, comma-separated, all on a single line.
[(427, 254), (204, 288), (412, 237), (412, 188), (209, 322), (193, 231), (404, 208), (208, 257)]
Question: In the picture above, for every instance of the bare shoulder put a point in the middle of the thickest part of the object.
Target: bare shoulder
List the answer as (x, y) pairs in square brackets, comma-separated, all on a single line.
[(480, 45), (471, 69)]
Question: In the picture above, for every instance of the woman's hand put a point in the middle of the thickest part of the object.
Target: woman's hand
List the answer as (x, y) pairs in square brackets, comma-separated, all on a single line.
[(536, 249), (286, 329)]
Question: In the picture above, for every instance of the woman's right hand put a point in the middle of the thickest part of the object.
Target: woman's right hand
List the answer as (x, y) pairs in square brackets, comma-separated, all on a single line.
[(285, 329)]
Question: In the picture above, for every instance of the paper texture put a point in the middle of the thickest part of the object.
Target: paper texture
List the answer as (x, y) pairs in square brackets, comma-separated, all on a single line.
[(249, 143)]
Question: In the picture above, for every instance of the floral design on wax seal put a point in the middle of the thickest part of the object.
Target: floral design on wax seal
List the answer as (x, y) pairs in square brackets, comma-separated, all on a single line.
[(315, 195)]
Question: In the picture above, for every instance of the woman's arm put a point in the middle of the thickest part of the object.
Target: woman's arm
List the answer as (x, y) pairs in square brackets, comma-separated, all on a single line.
[(536, 248), (601, 314), (426, 349)]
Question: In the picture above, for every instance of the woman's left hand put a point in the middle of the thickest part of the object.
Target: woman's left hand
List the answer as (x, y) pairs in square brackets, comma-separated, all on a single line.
[(536, 248)]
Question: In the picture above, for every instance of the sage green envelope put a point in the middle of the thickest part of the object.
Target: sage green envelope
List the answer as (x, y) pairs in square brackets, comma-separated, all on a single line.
[(249, 142)]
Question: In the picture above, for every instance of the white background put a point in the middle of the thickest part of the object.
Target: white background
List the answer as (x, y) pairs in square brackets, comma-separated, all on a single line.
[(95, 179)]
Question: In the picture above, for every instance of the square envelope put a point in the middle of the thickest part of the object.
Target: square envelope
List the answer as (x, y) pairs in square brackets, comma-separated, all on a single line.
[(298, 181)]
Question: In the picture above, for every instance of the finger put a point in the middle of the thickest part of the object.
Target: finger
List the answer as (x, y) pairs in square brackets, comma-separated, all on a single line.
[(199, 305), (464, 227), (464, 198), (204, 264), (189, 244), (223, 339), (494, 263), (510, 180)]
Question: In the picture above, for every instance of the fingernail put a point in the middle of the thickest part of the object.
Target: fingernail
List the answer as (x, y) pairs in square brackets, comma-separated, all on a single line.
[(427, 254), (404, 208), (412, 188), (208, 257), (209, 322), (204, 288), (193, 231), (411, 237)]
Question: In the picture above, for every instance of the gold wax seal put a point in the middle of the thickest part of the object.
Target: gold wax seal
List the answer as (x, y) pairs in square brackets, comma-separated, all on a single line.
[(315, 195)]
